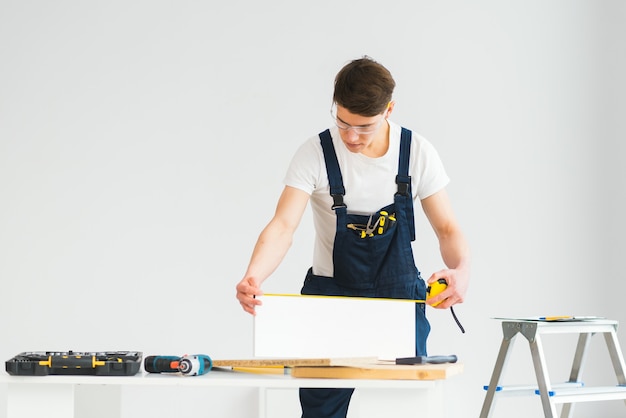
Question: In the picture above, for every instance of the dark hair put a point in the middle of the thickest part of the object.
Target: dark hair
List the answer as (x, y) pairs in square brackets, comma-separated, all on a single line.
[(364, 87)]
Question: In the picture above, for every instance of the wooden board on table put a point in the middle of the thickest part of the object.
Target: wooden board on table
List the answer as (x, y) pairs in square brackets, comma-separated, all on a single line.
[(380, 370), (293, 362)]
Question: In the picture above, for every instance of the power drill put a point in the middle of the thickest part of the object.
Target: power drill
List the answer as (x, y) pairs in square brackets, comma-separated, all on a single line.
[(188, 365)]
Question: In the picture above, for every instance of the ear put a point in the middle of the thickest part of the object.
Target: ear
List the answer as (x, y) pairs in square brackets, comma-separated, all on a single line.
[(390, 108)]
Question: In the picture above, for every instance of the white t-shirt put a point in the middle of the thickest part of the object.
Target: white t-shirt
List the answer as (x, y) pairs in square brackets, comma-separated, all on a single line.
[(370, 183)]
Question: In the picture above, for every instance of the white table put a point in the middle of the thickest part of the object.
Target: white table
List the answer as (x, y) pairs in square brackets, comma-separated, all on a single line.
[(63, 396)]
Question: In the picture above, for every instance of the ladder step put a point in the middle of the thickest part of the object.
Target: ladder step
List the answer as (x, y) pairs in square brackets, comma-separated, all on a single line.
[(525, 390), (588, 394)]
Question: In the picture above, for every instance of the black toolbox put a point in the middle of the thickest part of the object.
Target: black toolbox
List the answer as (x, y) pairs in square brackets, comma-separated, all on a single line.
[(100, 363)]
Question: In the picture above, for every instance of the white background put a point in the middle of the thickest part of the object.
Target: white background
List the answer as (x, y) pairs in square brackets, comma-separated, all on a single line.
[(143, 146)]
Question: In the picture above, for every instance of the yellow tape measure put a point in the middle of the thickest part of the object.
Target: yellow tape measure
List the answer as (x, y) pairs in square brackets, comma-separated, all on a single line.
[(432, 290)]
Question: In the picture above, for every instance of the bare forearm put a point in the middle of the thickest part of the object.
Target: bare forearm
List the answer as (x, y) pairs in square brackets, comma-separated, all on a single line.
[(455, 254), (271, 247), (269, 251), (455, 251)]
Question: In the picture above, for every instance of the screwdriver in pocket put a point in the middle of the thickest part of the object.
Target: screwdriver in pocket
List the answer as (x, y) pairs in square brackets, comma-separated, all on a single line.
[(385, 222), (381, 222)]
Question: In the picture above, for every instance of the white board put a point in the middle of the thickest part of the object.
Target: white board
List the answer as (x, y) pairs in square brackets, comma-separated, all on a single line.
[(295, 326)]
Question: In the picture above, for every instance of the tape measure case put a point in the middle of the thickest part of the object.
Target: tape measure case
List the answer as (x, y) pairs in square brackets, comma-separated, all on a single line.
[(101, 363)]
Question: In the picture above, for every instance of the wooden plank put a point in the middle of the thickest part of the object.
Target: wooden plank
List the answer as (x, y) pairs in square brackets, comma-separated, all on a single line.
[(344, 368), (263, 370), (292, 362), (380, 371)]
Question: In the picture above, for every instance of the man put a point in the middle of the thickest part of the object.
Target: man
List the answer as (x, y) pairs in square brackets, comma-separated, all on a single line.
[(362, 178)]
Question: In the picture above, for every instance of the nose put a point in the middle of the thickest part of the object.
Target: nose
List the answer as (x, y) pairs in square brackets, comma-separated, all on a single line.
[(352, 134)]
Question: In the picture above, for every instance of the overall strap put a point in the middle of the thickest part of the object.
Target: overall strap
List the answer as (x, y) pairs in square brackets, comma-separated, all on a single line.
[(403, 180), (337, 191)]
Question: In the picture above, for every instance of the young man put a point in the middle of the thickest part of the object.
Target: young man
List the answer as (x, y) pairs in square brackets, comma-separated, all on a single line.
[(363, 178)]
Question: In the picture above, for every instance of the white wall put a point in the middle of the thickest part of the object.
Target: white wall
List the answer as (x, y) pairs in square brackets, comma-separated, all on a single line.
[(143, 145)]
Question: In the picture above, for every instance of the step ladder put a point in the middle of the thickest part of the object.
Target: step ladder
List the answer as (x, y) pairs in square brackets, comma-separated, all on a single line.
[(573, 390)]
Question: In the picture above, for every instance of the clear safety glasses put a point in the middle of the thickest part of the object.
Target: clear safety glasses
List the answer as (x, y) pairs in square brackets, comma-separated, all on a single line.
[(360, 129)]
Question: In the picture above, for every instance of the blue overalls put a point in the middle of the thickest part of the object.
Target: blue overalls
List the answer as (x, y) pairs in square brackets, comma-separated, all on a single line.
[(368, 265)]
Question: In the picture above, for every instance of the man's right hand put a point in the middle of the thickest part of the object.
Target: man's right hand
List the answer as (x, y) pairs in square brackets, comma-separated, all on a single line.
[(247, 289)]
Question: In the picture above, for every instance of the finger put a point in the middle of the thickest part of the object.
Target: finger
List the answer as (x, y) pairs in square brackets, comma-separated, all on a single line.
[(248, 308), (436, 276), (442, 300), (447, 275), (441, 303), (249, 288), (433, 278), (436, 301), (447, 301), (248, 291), (249, 300)]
